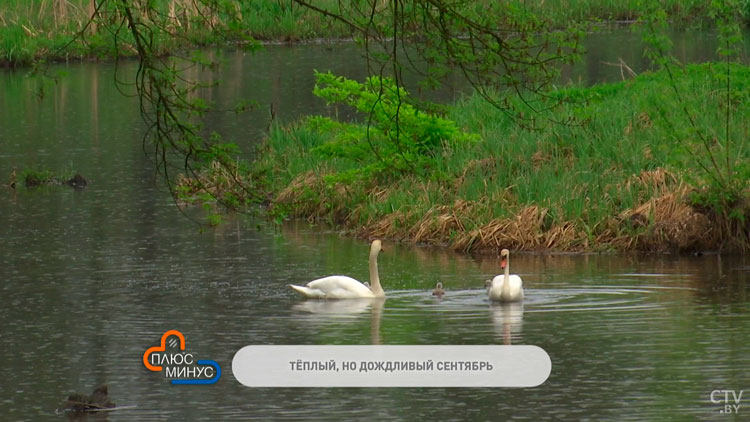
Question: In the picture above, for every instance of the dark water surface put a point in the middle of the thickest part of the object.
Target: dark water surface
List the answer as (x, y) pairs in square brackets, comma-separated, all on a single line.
[(92, 278)]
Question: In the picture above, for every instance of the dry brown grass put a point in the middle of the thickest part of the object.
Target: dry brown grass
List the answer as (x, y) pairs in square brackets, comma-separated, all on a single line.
[(440, 222), (308, 196), (658, 178), (217, 179), (663, 221), (436, 227), (294, 191), (641, 122), (483, 165), (657, 182), (299, 195), (389, 227), (540, 158), (524, 231), (666, 219), (670, 223)]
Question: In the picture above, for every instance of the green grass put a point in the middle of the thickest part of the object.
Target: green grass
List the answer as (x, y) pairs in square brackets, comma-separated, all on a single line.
[(625, 177), (36, 176), (32, 29), (681, 12)]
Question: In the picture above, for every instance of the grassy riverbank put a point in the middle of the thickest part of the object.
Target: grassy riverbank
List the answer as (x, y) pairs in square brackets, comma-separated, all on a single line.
[(632, 174), (681, 13), (33, 29)]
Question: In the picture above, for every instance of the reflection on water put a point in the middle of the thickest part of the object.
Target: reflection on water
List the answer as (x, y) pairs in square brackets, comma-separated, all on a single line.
[(92, 278), (324, 312), (508, 320), (336, 308)]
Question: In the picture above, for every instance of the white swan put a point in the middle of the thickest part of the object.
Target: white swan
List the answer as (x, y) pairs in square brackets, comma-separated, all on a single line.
[(344, 287), (506, 287)]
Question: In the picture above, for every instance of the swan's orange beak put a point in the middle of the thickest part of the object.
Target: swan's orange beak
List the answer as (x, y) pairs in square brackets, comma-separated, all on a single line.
[(502, 263)]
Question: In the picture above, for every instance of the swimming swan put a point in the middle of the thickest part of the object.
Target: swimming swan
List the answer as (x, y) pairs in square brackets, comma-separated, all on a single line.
[(344, 287), (506, 288)]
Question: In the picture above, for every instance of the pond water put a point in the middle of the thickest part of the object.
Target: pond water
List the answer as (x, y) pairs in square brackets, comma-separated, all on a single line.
[(92, 278)]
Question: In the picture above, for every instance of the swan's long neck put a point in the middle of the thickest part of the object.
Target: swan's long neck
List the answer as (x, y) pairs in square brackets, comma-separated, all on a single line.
[(375, 286), (506, 278)]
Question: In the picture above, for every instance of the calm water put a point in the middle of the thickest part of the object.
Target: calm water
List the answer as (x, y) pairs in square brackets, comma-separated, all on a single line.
[(92, 278)]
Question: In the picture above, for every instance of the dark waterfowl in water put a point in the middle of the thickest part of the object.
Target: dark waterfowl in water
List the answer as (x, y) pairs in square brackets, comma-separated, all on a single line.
[(439, 292), (79, 403)]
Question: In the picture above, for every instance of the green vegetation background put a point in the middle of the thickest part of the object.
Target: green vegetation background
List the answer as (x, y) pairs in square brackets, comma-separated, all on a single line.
[(657, 162)]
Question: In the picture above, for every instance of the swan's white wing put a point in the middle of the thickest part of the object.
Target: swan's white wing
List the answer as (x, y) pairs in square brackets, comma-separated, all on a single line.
[(516, 288), (515, 282), (334, 287), (308, 292), (495, 287), (497, 281)]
